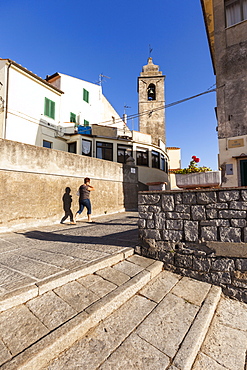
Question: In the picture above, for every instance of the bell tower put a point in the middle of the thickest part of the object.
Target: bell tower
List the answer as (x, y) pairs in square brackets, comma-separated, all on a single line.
[(151, 102)]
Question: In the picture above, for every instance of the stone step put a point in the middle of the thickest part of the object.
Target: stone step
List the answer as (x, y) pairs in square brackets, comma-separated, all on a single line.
[(24, 294), (37, 330), (226, 341), (161, 327)]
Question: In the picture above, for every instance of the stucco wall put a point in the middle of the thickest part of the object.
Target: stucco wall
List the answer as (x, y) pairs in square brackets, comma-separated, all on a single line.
[(72, 100), (198, 233), (33, 180), (26, 98), (231, 64), (230, 59)]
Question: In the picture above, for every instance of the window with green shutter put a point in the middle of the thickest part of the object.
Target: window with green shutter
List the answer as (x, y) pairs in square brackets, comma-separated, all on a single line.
[(49, 109), (72, 117), (86, 123), (86, 95)]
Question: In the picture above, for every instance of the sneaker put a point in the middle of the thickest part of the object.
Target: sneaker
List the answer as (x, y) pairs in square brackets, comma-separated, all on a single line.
[(72, 223)]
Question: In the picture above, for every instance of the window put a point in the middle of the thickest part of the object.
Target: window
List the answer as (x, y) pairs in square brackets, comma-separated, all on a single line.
[(151, 92), (163, 163), (104, 150), (47, 144), (123, 153), (86, 123), (49, 109), (141, 157), (86, 95), (236, 11), (86, 148), (166, 165), (72, 147), (72, 117), (155, 159)]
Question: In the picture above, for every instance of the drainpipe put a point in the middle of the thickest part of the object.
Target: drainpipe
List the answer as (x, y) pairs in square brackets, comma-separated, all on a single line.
[(7, 100)]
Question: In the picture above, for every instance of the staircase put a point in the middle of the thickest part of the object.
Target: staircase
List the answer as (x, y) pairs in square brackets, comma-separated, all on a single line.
[(123, 312)]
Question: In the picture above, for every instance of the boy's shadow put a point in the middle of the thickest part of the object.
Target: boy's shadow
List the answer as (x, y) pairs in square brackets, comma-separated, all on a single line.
[(67, 201)]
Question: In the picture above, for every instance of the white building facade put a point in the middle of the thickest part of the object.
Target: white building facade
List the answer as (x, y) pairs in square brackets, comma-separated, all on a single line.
[(69, 114)]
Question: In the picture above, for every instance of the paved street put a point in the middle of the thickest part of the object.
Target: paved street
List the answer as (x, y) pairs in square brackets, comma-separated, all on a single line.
[(31, 257), (76, 296)]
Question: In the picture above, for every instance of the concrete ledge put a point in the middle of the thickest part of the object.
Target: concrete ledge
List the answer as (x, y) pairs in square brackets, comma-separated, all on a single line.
[(188, 351), (228, 249)]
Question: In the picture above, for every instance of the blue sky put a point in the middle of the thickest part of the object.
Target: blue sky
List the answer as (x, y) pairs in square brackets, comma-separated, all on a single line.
[(86, 38)]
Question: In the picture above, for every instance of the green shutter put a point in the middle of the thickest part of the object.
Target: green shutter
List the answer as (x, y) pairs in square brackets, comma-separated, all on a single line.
[(86, 123), (86, 95), (72, 117), (49, 109), (46, 108), (52, 112)]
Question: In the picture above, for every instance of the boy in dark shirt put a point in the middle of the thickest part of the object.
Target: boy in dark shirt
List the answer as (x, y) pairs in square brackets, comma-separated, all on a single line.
[(84, 198)]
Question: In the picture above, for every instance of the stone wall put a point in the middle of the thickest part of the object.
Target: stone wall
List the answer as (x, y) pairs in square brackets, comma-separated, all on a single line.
[(200, 233), (33, 181)]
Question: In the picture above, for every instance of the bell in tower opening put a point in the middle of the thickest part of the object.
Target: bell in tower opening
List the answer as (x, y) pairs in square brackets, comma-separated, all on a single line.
[(151, 102), (151, 92)]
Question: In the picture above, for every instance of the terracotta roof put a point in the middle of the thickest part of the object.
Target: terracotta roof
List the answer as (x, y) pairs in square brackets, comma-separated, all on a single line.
[(171, 170)]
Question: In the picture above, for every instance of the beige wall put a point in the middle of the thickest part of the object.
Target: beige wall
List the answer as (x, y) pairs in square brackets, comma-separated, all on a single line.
[(174, 155), (151, 175), (33, 180), (231, 66), (109, 113), (232, 150)]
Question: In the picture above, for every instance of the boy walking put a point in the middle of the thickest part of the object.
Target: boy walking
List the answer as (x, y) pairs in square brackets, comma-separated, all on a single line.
[(84, 198)]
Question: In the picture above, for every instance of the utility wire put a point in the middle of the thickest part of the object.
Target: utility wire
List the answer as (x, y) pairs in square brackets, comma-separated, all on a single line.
[(136, 115)]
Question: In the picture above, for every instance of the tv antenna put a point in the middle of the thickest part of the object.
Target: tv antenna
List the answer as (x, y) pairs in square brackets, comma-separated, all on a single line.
[(125, 115), (126, 107), (101, 79)]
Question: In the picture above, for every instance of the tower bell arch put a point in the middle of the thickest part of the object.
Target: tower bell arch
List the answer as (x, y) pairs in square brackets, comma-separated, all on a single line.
[(151, 102)]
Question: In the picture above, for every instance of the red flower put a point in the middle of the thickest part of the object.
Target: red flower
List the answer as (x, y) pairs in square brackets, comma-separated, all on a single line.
[(197, 160), (193, 157)]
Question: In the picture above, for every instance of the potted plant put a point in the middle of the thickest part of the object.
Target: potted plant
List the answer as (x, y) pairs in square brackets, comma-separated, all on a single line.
[(193, 176)]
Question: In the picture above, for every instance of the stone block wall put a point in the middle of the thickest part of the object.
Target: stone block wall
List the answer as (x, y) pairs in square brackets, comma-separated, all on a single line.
[(199, 233)]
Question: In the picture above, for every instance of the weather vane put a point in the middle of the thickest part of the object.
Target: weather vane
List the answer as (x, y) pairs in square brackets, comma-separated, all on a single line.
[(150, 50)]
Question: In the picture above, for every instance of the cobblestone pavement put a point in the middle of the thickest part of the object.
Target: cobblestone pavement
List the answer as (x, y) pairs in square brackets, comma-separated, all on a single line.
[(32, 256)]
